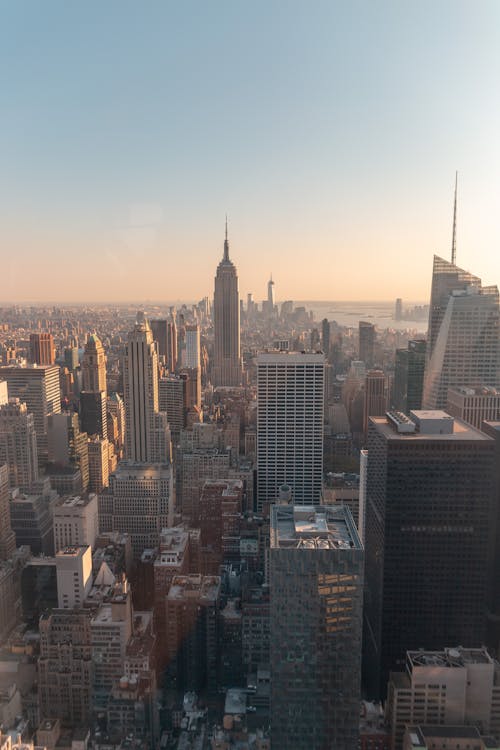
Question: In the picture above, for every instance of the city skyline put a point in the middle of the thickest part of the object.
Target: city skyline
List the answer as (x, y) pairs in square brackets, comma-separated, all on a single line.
[(294, 123)]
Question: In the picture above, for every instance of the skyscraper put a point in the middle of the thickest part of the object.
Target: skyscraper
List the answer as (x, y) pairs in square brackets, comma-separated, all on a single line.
[(409, 376), (192, 350), (290, 403), (147, 433), (366, 342), (42, 349), (7, 536), (270, 296), (94, 365), (430, 509), (227, 361), (38, 387), (375, 404), (463, 335), (316, 585), (18, 447), (325, 336)]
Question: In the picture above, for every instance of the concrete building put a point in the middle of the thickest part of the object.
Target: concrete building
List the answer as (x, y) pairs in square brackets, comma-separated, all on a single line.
[(32, 517), (316, 581), (139, 501), (474, 405), (192, 631), (75, 521), (227, 367), (430, 511), (38, 388), (74, 576), (220, 508), (7, 536), (191, 359), (42, 349), (172, 401), (18, 447), (290, 405), (67, 446), (427, 737), (452, 687), (463, 342)]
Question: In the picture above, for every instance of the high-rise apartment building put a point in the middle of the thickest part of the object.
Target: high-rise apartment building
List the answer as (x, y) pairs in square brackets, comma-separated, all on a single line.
[(430, 510), (38, 388), (316, 584), (290, 404), (409, 377), (42, 349), (366, 343), (463, 336), (18, 447), (227, 369), (147, 432)]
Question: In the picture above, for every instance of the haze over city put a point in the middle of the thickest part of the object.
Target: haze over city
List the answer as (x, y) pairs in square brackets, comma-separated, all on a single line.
[(330, 135)]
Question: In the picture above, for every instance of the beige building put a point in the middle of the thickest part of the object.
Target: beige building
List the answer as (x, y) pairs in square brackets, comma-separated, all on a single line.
[(474, 405), (75, 521), (99, 459), (452, 687), (74, 576)]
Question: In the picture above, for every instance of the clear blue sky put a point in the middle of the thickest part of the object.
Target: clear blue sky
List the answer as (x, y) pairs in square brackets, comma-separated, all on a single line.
[(329, 132)]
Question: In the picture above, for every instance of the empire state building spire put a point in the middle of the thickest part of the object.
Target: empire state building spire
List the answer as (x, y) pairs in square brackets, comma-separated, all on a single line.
[(226, 369)]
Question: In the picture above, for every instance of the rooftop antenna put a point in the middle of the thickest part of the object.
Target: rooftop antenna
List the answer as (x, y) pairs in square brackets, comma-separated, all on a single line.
[(454, 237)]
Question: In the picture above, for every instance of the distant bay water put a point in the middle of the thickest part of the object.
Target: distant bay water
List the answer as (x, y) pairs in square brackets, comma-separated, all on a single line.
[(350, 313)]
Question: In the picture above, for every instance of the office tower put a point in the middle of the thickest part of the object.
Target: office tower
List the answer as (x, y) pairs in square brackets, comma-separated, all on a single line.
[(316, 583), (227, 361), (31, 517), (192, 609), (192, 388), (71, 357), (39, 388), (7, 536), (4, 393), (398, 311), (449, 687), (172, 343), (94, 365), (67, 446), (325, 336), (474, 405), (172, 401), (74, 576), (270, 296), (492, 429), (42, 349), (409, 377), (220, 508), (18, 447), (366, 342), (139, 501), (430, 502), (192, 350), (315, 340), (376, 396), (463, 335), (76, 522), (98, 464), (290, 404), (159, 331), (147, 434)]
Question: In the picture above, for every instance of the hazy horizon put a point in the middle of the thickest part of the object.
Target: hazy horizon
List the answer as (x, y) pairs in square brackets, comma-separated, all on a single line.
[(329, 133)]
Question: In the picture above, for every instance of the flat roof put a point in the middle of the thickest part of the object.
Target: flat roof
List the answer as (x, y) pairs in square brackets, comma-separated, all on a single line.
[(461, 432), (313, 527)]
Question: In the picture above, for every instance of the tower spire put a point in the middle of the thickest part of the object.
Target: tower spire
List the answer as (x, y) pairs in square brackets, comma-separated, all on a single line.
[(226, 245), (454, 236)]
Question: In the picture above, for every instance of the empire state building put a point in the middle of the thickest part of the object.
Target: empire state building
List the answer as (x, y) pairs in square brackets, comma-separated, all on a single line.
[(227, 359)]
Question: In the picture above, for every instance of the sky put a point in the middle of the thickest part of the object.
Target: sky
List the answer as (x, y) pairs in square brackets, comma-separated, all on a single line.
[(329, 132)]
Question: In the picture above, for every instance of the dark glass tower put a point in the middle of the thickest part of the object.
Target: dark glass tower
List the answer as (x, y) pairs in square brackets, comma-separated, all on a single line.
[(409, 376), (430, 508)]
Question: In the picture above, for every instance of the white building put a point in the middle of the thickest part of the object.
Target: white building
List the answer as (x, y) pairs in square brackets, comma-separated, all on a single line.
[(191, 353), (75, 521), (18, 448), (74, 576), (290, 403)]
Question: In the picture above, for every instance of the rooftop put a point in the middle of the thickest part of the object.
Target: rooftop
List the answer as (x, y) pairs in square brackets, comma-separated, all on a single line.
[(460, 430), (196, 587), (313, 527), (449, 657)]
